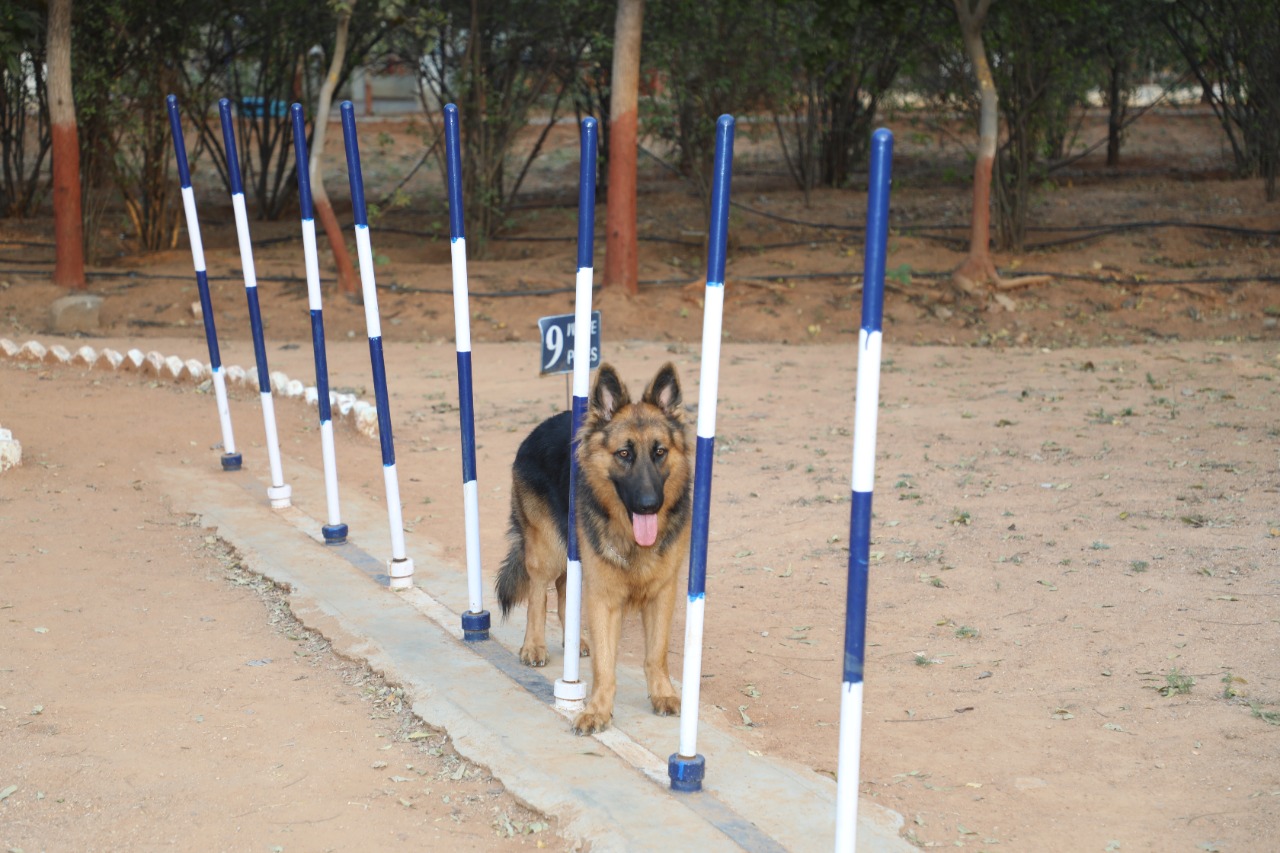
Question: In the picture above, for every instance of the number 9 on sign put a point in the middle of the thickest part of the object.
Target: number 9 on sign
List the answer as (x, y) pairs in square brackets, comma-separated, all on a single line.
[(552, 347)]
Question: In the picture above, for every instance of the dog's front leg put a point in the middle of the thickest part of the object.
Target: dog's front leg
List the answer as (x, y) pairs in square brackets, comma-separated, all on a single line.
[(604, 620), (656, 615)]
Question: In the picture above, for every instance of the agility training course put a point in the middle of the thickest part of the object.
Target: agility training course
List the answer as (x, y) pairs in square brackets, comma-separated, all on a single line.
[(938, 518), (687, 768), (1050, 621)]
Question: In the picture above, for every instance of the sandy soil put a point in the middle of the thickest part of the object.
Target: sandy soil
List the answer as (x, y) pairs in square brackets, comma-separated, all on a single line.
[(1073, 623), (148, 699)]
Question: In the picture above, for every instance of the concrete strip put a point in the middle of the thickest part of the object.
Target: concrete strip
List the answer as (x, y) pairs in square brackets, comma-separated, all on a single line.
[(789, 802), (500, 712), (492, 720)]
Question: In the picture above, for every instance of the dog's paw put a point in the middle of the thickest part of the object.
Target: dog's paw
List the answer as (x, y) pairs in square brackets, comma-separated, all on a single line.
[(665, 706), (534, 655), (590, 722)]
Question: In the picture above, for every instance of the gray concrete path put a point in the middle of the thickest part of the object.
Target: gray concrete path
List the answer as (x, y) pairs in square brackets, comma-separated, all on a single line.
[(609, 791)]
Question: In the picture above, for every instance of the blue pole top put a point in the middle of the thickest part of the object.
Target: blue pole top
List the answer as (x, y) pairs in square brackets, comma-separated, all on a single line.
[(587, 193), (877, 229), (229, 143), (179, 146), (722, 175), (302, 162), (453, 166), (353, 164)]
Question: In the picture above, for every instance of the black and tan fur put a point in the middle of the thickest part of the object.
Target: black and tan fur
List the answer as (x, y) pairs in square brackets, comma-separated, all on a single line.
[(634, 459)]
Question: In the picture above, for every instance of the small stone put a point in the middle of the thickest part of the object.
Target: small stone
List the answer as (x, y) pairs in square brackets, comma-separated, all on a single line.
[(10, 451), (79, 312)]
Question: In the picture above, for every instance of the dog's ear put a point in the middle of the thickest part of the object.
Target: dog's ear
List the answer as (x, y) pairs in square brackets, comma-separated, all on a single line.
[(609, 394), (664, 390)]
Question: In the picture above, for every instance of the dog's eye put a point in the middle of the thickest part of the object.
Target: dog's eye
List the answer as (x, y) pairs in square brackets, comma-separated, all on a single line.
[(659, 452), (624, 454)]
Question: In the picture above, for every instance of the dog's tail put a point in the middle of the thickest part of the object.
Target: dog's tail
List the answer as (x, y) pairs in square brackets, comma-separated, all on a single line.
[(512, 584)]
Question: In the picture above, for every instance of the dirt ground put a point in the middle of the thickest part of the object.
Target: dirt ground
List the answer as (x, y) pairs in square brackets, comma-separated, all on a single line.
[(1073, 628), (147, 697)]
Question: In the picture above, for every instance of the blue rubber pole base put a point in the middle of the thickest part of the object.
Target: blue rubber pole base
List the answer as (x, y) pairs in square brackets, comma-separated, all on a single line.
[(231, 462), (686, 773), (334, 534), (475, 626)]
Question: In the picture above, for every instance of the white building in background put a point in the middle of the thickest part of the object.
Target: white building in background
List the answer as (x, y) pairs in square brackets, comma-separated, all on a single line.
[(386, 92)]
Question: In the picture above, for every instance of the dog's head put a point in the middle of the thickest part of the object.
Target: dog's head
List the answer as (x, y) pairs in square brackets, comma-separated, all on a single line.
[(639, 447)]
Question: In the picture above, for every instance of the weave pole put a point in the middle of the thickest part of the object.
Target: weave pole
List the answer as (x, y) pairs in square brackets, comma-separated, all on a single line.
[(475, 622), (399, 567), (278, 492), (570, 691), (866, 405), (335, 532), (686, 768), (231, 460)]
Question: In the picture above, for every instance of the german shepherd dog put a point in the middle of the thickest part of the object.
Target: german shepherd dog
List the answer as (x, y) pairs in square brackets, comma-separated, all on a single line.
[(632, 507)]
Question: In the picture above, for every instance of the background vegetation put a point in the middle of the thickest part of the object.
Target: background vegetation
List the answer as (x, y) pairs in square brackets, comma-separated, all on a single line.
[(812, 74)]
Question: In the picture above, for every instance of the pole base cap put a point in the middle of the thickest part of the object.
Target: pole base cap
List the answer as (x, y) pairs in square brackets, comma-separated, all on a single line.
[(686, 773), (475, 626), (401, 573), (334, 534), (231, 461), (279, 496), (570, 695)]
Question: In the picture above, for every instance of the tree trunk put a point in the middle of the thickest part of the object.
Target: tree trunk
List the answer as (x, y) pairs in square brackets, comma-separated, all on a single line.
[(978, 269), (68, 228), (324, 209), (622, 253), (1116, 102)]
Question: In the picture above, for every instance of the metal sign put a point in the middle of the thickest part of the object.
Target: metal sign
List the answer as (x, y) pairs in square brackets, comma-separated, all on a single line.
[(557, 343)]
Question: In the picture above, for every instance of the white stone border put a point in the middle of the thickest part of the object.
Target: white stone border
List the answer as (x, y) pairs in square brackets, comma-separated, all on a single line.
[(362, 415)]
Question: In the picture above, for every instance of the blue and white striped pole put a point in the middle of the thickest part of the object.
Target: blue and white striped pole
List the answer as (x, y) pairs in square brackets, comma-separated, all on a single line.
[(335, 532), (399, 567), (475, 622), (278, 492), (231, 460), (686, 767), (571, 690), (866, 406)]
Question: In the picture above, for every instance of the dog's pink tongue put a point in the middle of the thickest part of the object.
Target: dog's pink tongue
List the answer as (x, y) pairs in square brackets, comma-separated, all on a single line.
[(645, 528)]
